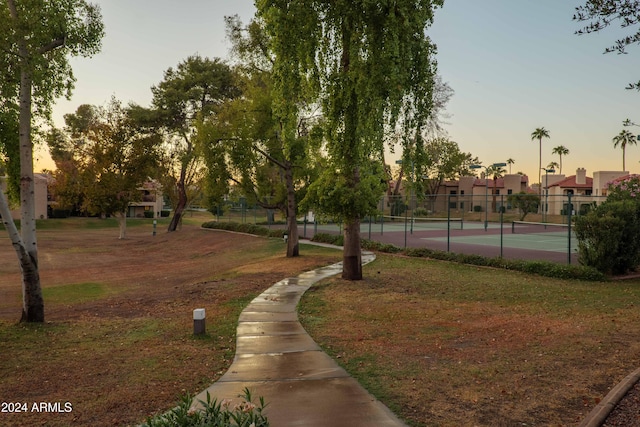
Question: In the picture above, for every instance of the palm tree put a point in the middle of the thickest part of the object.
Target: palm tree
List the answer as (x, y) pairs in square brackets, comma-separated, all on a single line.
[(538, 134), (554, 166), (510, 161), (497, 172), (560, 150), (623, 139)]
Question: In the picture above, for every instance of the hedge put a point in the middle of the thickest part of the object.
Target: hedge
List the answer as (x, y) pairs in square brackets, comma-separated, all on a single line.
[(540, 268)]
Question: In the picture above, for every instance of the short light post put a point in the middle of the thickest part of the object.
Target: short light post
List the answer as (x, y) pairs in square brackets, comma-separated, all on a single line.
[(486, 188), (199, 321), (546, 193)]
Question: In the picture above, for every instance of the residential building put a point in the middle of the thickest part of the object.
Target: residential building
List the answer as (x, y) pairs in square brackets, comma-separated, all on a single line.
[(40, 195), (151, 203), (584, 191)]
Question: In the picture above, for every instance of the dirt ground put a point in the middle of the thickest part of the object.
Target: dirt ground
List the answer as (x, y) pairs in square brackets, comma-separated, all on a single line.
[(118, 340)]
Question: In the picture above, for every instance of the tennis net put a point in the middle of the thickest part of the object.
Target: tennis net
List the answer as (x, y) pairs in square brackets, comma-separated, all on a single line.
[(527, 227), (425, 223)]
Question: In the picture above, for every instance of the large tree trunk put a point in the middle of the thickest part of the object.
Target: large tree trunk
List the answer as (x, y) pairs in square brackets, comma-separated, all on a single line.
[(33, 304), (293, 249), (122, 224), (352, 254), (182, 201)]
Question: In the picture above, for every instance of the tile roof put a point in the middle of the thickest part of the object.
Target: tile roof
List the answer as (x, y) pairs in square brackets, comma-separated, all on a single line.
[(570, 182)]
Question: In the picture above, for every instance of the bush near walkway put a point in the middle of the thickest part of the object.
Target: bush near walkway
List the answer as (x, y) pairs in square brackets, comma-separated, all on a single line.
[(541, 268)]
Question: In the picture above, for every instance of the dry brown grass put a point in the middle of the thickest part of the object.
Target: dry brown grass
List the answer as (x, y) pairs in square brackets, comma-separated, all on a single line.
[(118, 342), (452, 345)]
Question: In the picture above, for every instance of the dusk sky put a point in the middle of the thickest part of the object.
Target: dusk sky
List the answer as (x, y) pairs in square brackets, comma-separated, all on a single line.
[(514, 65)]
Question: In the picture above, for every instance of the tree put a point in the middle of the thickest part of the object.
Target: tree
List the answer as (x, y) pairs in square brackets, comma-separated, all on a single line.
[(623, 139), (10, 149), (553, 165), (444, 160), (525, 202), (36, 37), (510, 162), (373, 67), (560, 150), (114, 159), (192, 91), (602, 13), (497, 172), (538, 134), (272, 170)]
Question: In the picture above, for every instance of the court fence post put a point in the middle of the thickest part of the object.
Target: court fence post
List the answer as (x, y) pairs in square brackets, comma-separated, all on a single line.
[(382, 216), (448, 222), (304, 234), (570, 211), (501, 223), (406, 213)]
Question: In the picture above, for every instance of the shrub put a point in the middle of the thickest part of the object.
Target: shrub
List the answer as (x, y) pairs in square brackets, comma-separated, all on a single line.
[(420, 212), (398, 207), (477, 208), (626, 188), (380, 247), (332, 239), (213, 414), (541, 268), (609, 237), (60, 213)]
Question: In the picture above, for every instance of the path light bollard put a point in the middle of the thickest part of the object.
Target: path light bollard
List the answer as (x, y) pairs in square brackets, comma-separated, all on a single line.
[(155, 223), (199, 321), (285, 237)]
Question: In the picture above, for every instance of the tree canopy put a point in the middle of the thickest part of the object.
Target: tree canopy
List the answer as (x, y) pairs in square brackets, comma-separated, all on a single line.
[(111, 157), (371, 65), (600, 14), (39, 36), (188, 94)]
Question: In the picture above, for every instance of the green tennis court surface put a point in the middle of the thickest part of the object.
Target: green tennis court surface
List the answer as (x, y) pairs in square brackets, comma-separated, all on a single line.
[(551, 242)]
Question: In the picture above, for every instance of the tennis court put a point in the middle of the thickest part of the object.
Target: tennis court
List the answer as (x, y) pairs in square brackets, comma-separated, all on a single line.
[(520, 235), (520, 240)]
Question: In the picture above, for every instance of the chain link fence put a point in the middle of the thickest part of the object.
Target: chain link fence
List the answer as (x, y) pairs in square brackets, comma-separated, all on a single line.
[(496, 225)]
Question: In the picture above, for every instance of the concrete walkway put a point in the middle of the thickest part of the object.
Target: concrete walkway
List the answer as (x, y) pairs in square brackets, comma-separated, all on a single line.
[(277, 359)]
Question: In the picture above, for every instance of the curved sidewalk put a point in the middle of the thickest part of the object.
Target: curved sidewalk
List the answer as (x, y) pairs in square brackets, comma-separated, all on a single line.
[(276, 359)]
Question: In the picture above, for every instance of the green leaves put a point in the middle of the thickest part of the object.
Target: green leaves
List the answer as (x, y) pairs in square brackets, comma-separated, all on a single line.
[(37, 36), (372, 67), (103, 160), (333, 196)]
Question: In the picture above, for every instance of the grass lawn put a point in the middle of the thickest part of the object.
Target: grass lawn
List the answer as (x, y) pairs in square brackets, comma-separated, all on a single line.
[(118, 343), (444, 344)]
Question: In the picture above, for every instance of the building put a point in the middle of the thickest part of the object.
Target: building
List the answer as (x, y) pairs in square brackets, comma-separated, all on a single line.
[(40, 192), (150, 204), (469, 193), (584, 191)]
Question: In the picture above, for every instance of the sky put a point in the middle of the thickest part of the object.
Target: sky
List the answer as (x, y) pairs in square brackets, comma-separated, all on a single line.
[(514, 66)]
